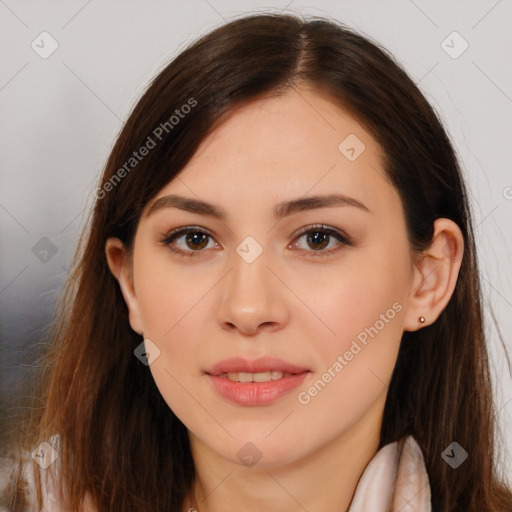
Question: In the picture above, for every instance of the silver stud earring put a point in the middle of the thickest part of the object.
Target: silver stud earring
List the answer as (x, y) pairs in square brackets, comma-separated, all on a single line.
[(421, 319)]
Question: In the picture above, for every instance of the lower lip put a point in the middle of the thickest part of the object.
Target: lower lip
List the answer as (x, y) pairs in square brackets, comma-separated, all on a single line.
[(256, 393)]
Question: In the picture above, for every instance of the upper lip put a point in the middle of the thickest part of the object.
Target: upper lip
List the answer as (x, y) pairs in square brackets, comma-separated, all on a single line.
[(261, 364)]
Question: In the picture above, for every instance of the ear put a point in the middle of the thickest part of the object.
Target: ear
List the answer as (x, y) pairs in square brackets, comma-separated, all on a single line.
[(435, 275), (120, 264)]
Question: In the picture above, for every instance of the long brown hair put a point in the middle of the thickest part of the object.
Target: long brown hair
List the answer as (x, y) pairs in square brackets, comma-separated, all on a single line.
[(119, 441)]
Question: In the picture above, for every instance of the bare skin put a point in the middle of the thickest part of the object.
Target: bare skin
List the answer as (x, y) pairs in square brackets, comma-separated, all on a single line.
[(291, 302)]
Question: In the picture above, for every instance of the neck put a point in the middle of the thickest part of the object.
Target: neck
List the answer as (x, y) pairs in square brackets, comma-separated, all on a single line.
[(323, 481)]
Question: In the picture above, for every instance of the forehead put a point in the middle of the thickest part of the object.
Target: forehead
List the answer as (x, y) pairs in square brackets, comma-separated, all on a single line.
[(296, 144), (297, 128)]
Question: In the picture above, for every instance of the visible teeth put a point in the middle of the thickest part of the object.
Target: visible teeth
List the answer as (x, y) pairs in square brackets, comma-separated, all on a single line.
[(260, 377), (255, 377)]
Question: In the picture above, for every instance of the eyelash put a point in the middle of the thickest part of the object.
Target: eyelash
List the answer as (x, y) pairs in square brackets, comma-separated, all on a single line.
[(342, 238)]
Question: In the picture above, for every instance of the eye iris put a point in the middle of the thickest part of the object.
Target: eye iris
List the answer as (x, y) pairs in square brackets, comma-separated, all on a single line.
[(195, 239), (322, 239)]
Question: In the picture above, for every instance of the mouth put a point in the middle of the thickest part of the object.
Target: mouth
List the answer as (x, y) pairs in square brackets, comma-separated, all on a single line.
[(257, 382)]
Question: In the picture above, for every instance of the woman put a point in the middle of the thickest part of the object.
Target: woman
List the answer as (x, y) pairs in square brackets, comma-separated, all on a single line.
[(277, 303)]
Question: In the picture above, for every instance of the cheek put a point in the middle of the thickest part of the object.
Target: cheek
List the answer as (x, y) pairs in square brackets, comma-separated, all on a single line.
[(343, 304), (168, 313), (357, 341), (170, 304), (356, 360), (166, 293), (173, 315)]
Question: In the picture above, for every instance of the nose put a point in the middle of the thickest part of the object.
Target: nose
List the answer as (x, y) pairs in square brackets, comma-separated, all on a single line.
[(252, 298)]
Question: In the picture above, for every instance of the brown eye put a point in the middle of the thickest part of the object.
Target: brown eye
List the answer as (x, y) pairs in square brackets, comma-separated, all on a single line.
[(317, 238), (196, 240), (187, 241)]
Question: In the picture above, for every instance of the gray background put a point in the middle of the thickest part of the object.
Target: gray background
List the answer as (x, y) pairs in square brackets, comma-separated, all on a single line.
[(60, 116)]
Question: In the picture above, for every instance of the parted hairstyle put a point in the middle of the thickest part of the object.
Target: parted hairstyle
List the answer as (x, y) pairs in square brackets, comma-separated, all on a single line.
[(119, 440)]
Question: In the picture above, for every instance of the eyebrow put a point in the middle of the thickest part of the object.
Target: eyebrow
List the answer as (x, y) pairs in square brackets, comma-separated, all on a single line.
[(280, 210)]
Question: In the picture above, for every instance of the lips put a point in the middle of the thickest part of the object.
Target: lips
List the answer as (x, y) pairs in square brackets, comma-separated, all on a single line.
[(255, 383)]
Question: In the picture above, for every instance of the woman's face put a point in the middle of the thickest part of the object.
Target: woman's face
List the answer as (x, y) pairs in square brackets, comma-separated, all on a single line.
[(266, 281)]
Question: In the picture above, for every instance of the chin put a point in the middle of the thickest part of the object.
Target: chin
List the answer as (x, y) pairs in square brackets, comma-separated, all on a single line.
[(259, 452)]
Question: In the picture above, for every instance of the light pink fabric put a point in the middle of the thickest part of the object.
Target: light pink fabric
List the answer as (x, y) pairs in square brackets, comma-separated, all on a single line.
[(394, 480)]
